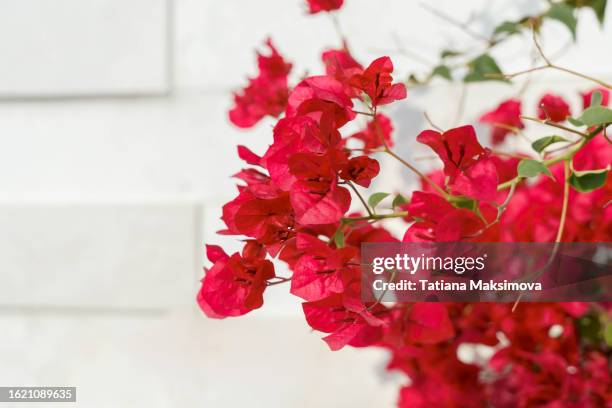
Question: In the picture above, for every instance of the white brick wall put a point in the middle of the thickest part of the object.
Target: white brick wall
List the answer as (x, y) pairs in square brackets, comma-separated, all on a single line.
[(72, 47), (115, 158)]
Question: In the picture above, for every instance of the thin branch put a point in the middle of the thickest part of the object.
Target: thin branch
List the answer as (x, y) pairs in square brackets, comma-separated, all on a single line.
[(549, 65), (554, 124), (539, 47), (433, 125), (352, 186), (461, 105), (278, 282), (566, 173), (375, 217), (566, 156), (516, 130), (462, 26), (418, 173), (409, 54), (562, 219), (338, 28), (363, 113)]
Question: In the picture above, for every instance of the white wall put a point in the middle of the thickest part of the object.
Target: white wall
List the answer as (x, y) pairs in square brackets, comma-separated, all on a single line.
[(115, 157)]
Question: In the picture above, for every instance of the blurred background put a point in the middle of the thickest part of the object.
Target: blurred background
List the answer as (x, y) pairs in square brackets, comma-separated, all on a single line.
[(116, 157)]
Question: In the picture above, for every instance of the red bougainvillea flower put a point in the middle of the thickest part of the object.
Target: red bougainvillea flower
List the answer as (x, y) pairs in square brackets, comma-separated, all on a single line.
[(316, 197), (376, 134), (235, 284), (318, 96), (316, 6), (267, 220), (438, 378), (586, 97), (428, 323), (553, 107), (439, 221), (467, 164), (321, 271), (348, 320), (376, 82), (502, 119), (266, 94), (361, 170), (587, 209), (340, 65), (293, 135)]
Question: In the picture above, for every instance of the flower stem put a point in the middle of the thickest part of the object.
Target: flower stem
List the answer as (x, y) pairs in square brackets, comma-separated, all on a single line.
[(549, 65), (554, 124), (418, 173), (365, 205), (568, 155), (566, 173), (375, 217)]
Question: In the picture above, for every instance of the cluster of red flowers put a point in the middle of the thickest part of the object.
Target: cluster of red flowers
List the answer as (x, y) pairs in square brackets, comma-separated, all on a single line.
[(506, 119), (266, 94), (295, 199)]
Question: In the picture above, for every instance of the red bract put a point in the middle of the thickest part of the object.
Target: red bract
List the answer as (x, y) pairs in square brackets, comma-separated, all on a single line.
[(588, 220), (439, 221), (266, 94), (466, 163), (586, 97), (322, 271), (553, 107), (267, 220), (361, 170), (438, 378), (536, 368), (376, 82), (316, 6), (293, 135), (377, 134), (322, 98), (503, 120), (234, 285), (348, 320), (316, 196), (340, 65), (428, 323)]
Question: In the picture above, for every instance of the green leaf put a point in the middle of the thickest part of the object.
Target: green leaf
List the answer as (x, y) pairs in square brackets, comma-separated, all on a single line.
[(442, 71), (507, 27), (531, 168), (607, 334), (544, 142), (483, 68), (413, 80), (596, 115), (398, 200), (449, 53), (565, 14), (596, 99), (574, 121), (589, 327), (598, 6), (376, 198), (339, 238), (586, 181), (463, 202)]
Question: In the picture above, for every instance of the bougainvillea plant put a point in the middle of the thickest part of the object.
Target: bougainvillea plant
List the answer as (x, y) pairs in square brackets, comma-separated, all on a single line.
[(293, 207)]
